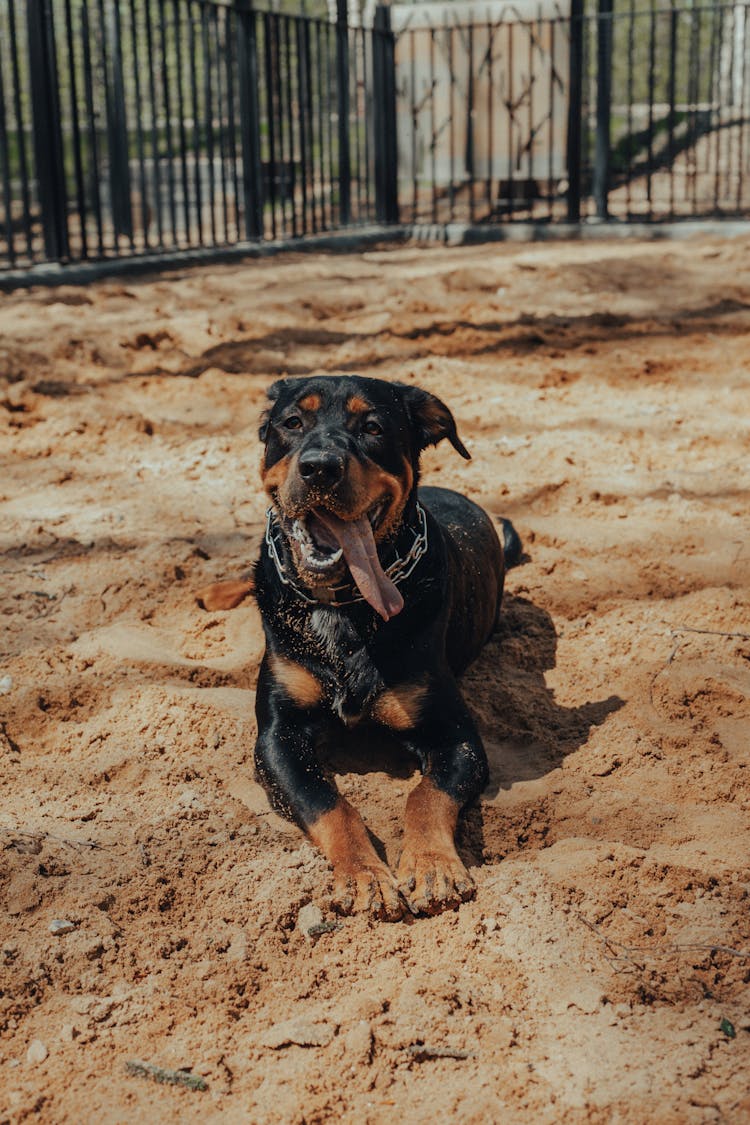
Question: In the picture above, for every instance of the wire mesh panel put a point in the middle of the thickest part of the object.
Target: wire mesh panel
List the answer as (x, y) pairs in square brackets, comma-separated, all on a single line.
[(136, 126)]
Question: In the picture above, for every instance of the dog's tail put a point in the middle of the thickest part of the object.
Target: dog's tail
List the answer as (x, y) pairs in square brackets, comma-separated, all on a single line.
[(512, 545)]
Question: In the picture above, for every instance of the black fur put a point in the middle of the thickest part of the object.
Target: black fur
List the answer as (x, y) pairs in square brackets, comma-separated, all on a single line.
[(451, 602)]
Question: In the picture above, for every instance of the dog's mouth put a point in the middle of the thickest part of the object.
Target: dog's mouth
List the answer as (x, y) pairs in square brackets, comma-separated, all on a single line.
[(321, 540)]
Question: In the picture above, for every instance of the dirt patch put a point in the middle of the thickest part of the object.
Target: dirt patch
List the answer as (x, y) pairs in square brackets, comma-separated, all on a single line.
[(602, 971)]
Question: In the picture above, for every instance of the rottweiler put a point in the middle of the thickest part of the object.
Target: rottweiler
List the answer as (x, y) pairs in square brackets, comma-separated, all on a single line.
[(375, 596)]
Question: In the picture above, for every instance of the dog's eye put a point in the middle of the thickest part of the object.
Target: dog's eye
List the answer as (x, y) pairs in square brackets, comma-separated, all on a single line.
[(372, 427), (294, 422)]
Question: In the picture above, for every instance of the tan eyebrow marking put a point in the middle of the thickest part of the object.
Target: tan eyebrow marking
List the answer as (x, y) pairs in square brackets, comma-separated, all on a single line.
[(357, 405), (310, 402)]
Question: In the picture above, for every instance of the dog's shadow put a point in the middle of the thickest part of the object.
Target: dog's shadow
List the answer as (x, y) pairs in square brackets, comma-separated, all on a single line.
[(526, 733)]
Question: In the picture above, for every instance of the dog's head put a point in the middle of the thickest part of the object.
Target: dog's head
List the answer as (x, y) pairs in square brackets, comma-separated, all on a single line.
[(341, 464)]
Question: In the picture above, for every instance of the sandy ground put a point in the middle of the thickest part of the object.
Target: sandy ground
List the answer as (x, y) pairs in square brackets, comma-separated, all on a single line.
[(601, 974)]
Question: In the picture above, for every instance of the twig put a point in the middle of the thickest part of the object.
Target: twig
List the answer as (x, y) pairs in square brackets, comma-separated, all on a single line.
[(421, 1053), (6, 830), (706, 632), (165, 1075), (655, 951), (663, 668)]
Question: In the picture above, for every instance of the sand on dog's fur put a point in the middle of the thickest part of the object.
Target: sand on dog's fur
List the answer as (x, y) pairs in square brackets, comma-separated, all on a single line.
[(603, 392)]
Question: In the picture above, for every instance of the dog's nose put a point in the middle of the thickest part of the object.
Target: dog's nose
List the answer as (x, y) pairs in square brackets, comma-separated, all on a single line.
[(319, 466)]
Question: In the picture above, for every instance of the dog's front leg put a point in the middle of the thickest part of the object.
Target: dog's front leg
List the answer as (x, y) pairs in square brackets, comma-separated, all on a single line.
[(289, 770), (431, 875)]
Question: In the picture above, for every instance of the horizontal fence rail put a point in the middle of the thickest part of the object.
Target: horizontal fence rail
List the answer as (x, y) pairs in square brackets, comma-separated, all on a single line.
[(142, 126), (148, 127)]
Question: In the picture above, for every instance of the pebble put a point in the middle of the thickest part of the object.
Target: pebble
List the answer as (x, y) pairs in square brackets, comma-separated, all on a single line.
[(6, 685), (303, 1033), (310, 923), (61, 926), (309, 917), (37, 1052)]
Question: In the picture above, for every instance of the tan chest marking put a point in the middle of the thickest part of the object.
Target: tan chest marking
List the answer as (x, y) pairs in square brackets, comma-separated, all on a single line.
[(400, 707), (299, 684)]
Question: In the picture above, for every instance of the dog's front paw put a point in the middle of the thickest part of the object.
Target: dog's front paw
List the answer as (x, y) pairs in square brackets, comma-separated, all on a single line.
[(369, 889), (433, 881)]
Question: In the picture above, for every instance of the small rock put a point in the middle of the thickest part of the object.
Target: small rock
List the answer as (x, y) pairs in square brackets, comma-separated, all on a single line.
[(239, 948), (302, 1033), (61, 926), (358, 1043), (36, 1053), (68, 1032), (6, 685), (309, 917)]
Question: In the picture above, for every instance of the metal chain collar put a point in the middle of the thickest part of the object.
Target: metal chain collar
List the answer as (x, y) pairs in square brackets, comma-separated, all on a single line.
[(399, 570)]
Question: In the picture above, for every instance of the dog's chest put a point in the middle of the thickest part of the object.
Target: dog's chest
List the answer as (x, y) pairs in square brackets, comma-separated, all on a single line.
[(350, 679)]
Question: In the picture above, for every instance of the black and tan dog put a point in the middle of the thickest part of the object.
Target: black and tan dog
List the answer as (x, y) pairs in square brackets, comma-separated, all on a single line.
[(374, 596)]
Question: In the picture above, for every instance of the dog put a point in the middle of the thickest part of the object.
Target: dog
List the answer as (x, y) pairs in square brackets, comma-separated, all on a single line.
[(375, 596)]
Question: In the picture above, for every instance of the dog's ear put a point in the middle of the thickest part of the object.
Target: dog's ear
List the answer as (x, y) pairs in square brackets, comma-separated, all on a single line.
[(431, 418), (272, 394)]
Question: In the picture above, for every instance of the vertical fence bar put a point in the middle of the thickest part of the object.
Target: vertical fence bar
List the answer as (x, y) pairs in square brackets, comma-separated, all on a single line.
[(247, 67), (93, 140), (20, 131), (154, 128), (231, 123), (414, 120), (305, 138), (289, 170), (384, 109), (630, 142), (76, 131), (510, 190), (342, 91), (197, 146), (671, 97), (223, 154), (208, 115), (167, 120), (136, 72), (651, 90), (551, 120), (452, 126), (5, 170), (490, 32), (575, 110), (48, 144), (603, 148), (470, 124), (181, 131)]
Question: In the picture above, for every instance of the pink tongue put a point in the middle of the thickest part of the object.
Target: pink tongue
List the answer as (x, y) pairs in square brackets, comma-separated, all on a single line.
[(358, 544)]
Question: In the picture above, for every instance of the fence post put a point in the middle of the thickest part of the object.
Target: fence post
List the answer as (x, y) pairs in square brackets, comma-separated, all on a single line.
[(603, 107), (342, 98), (247, 77), (384, 115), (48, 147), (575, 110)]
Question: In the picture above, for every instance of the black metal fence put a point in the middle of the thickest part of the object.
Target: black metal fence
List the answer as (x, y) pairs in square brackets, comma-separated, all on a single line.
[(130, 127), (136, 126), (637, 115)]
